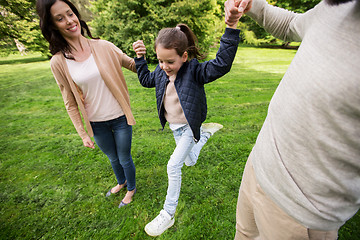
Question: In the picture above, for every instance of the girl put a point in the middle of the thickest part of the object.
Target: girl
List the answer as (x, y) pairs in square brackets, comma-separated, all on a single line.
[(181, 101), (89, 76)]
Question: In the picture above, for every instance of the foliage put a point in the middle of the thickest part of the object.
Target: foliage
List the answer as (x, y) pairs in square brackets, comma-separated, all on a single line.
[(248, 36), (299, 6), (83, 8), (125, 21), (19, 21), (54, 188)]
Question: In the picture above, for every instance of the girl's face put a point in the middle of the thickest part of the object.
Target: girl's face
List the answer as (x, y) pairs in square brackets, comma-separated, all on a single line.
[(65, 20), (169, 60)]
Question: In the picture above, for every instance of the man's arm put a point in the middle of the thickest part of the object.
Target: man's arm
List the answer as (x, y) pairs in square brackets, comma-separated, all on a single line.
[(279, 22)]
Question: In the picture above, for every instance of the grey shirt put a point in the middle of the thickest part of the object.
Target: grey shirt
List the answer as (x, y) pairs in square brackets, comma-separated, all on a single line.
[(307, 154)]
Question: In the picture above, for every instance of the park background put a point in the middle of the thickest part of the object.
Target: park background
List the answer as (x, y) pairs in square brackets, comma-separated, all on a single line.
[(54, 188)]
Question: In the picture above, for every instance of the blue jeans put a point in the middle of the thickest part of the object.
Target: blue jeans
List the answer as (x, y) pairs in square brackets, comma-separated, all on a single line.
[(186, 151), (114, 139)]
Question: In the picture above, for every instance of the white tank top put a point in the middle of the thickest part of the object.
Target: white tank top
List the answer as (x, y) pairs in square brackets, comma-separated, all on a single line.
[(100, 104)]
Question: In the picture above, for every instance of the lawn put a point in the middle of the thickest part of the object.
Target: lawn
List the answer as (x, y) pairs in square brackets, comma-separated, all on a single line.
[(54, 188)]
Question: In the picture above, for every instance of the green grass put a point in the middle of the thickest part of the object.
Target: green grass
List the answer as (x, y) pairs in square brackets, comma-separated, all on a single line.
[(54, 188)]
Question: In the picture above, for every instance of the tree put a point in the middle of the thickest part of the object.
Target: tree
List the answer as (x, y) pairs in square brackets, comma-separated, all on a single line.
[(20, 22), (125, 21), (83, 8)]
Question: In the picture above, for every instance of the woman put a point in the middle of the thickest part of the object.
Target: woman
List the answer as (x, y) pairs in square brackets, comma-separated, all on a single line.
[(89, 75)]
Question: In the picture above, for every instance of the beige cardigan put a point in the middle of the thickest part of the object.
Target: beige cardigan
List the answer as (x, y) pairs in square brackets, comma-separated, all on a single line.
[(109, 59)]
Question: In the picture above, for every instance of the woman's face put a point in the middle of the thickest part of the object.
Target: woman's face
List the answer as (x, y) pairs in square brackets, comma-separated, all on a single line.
[(65, 20)]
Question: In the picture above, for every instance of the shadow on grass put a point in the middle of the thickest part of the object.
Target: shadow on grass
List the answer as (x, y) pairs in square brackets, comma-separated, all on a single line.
[(23, 60)]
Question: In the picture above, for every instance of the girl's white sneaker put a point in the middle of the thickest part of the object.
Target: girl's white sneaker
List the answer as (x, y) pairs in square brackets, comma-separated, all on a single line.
[(157, 226), (211, 127)]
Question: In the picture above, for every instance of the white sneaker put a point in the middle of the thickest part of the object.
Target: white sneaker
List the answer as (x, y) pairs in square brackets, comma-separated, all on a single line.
[(157, 226), (211, 127)]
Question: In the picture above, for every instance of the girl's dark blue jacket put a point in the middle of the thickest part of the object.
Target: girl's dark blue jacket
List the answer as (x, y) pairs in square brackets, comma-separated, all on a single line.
[(190, 80)]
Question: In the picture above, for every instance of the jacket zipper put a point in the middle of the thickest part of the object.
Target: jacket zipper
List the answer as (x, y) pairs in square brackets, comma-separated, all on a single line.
[(184, 111)]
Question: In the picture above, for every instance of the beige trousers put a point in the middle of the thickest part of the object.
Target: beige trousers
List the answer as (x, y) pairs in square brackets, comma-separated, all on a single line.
[(258, 217)]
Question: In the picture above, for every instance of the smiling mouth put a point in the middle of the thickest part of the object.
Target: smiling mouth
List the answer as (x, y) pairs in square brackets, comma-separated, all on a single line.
[(73, 28)]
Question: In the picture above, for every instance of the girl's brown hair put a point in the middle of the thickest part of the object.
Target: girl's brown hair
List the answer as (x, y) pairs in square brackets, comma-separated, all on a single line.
[(180, 38)]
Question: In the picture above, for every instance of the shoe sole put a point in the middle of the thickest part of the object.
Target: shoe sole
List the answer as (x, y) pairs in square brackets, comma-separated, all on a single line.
[(158, 234), (207, 126), (210, 125)]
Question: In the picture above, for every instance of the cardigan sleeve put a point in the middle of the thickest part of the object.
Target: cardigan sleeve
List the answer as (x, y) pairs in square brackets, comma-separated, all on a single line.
[(128, 63), (125, 61), (67, 95)]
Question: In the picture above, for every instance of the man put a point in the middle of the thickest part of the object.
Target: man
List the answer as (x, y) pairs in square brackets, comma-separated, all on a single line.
[(302, 178)]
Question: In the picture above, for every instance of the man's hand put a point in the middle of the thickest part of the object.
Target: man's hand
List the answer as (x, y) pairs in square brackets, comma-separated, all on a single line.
[(245, 6)]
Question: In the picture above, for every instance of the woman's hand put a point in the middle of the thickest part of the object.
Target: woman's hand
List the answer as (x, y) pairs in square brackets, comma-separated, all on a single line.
[(88, 143), (139, 48)]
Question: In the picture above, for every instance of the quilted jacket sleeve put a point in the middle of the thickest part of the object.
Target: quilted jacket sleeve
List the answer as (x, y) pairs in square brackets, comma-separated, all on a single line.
[(218, 67), (146, 78)]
